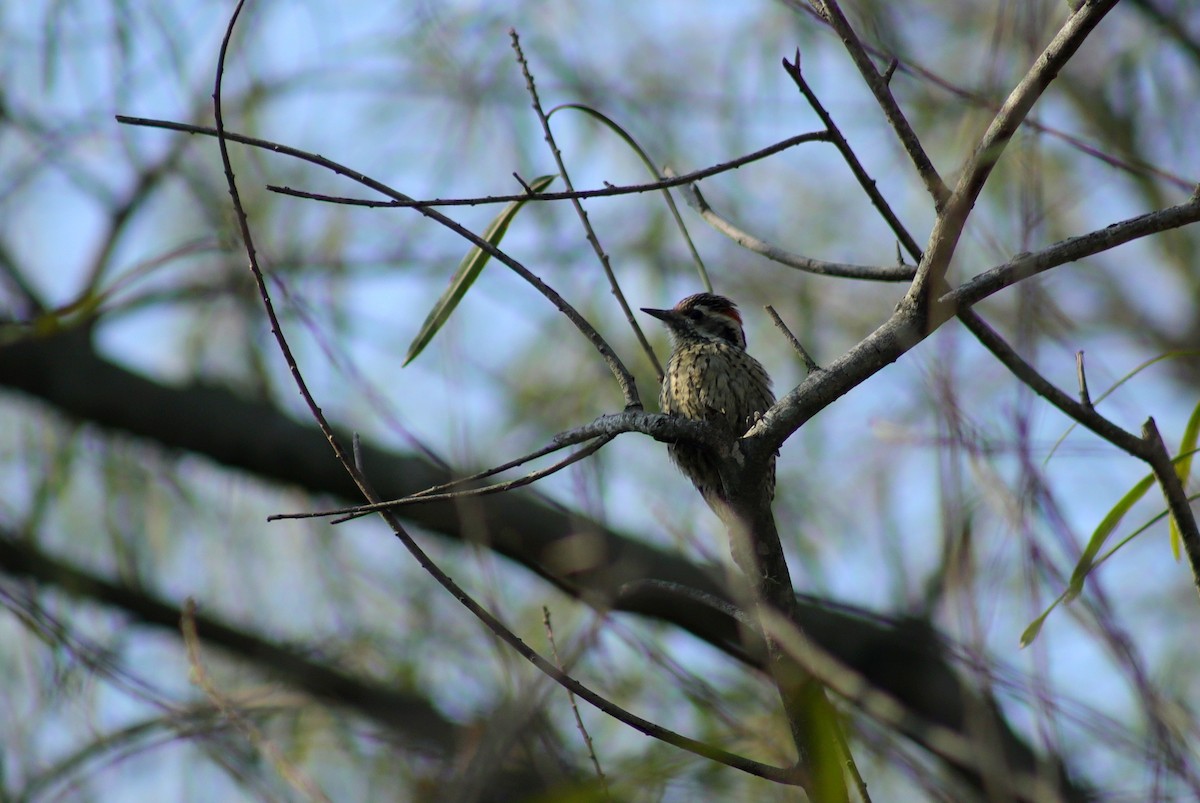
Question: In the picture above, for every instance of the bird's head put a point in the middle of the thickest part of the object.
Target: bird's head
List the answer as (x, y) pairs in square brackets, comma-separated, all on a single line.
[(704, 316)]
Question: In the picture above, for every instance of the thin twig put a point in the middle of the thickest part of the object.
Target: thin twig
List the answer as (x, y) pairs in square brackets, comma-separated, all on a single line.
[(292, 774), (528, 190), (958, 93), (661, 427), (696, 201), (430, 495), (1085, 398), (810, 364), (1002, 351), (832, 13), (620, 372), (852, 161), (695, 595), (604, 192), (589, 232), (587, 739)]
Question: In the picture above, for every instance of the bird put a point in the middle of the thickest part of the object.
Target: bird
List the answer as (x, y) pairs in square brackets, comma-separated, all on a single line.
[(711, 378)]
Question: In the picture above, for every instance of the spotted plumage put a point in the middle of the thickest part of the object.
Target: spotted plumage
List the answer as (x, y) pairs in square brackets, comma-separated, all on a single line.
[(711, 378)]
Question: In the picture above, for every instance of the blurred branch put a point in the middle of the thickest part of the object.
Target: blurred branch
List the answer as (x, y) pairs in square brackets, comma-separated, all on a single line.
[(410, 717), (1173, 23), (410, 720), (602, 567)]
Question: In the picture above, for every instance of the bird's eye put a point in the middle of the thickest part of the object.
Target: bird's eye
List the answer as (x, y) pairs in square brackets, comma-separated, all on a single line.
[(695, 314)]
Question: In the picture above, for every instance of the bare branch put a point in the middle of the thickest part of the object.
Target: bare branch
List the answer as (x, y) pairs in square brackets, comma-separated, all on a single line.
[(810, 364), (873, 273), (948, 227), (587, 739), (1085, 398), (878, 84), (851, 158), (1023, 266), (607, 191), (436, 495), (620, 372), (589, 232), (1175, 495)]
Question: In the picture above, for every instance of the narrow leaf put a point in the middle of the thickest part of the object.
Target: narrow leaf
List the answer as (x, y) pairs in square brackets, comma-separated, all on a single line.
[(1103, 530), (467, 272), (1035, 627)]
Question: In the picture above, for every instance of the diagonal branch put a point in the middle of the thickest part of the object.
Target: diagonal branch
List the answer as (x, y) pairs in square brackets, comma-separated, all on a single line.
[(486, 617), (831, 12), (589, 231), (817, 267), (661, 427), (852, 161), (952, 218), (1071, 249), (1149, 447)]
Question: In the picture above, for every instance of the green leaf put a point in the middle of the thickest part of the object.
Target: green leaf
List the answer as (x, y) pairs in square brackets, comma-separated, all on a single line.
[(1183, 468), (1103, 530), (1031, 632), (1035, 627), (467, 272)]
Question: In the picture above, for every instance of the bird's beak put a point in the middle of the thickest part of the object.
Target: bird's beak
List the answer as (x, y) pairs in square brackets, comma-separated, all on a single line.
[(665, 315)]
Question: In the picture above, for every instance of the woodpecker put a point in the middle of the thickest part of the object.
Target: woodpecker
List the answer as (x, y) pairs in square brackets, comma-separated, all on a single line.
[(711, 378)]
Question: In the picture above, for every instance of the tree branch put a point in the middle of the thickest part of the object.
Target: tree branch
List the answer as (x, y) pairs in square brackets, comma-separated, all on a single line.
[(1071, 249), (952, 218), (602, 567), (831, 12), (618, 369)]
